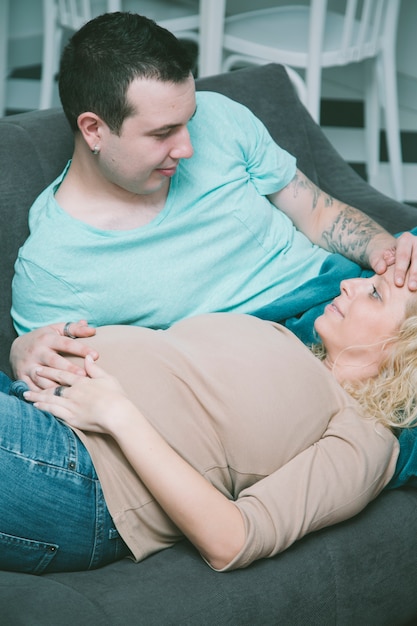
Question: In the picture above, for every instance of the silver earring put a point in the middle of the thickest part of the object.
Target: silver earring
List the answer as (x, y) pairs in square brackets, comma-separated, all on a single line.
[(95, 150)]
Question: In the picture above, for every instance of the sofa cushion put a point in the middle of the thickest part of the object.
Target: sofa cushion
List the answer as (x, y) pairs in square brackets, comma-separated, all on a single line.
[(362, 571), (357, 572)]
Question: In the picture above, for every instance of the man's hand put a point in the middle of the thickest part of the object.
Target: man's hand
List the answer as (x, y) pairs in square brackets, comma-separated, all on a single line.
[(44, 348), (403, 255)]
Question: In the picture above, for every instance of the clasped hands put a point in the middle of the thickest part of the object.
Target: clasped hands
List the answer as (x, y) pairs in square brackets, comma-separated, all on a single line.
[(45, 348)]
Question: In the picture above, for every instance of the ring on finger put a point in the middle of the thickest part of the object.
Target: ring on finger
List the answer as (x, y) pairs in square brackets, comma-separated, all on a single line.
[(67, 331), (58, 391)]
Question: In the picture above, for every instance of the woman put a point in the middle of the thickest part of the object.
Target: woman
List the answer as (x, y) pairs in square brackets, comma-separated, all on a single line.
[(230, 431)]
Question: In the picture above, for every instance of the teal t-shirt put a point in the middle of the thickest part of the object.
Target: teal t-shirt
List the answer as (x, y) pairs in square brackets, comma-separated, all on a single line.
[(217, 245)]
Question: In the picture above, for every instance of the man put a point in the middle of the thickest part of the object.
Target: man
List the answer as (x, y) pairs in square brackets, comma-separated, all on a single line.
[(173, 204)]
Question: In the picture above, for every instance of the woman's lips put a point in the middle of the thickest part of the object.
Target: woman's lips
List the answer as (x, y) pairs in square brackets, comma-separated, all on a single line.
[(167, 171), (333, 308)]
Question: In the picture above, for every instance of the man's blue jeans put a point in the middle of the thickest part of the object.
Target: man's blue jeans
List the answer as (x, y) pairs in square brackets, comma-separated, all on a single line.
[(53, 516)]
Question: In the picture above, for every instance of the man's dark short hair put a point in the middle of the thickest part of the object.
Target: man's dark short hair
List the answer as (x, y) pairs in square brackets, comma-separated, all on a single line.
[(102, 59)]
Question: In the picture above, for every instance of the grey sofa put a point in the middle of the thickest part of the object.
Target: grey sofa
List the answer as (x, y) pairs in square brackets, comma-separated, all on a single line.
[(363, 571)]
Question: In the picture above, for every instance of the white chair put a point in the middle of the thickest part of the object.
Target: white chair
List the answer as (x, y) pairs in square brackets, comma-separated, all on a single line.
[(179, 16), (310, 38)]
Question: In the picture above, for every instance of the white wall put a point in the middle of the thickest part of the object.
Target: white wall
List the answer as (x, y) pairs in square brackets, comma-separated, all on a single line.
[(25, 32), (25, 17)]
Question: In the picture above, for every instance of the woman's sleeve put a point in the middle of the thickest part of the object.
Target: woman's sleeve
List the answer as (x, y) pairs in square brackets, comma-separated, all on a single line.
[(330, 481)]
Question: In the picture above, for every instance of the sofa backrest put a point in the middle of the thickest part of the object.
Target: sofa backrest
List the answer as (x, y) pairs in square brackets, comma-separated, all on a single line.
[(34, 148)]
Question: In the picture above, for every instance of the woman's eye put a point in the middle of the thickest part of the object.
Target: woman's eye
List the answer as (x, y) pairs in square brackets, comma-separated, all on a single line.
[(375, 293)]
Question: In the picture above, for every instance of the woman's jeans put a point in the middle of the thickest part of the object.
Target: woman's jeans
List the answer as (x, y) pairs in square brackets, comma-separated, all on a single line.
[(53, 516)]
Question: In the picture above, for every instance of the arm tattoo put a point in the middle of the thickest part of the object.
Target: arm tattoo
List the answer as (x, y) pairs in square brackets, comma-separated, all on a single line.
[(351, 230), (351, 233), (301, 183)]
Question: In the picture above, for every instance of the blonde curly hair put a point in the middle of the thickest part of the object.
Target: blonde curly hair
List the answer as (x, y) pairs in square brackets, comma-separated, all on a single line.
[(391, 396)]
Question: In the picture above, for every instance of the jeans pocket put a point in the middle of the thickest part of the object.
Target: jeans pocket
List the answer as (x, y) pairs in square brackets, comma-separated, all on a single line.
[(18, 554)]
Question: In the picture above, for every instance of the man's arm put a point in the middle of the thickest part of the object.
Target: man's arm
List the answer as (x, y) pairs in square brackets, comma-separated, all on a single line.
[(341, 228)]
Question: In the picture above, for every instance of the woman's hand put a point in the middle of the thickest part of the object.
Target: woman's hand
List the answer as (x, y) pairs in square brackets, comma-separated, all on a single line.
[(42, 348), (98, 404), (94, 403)]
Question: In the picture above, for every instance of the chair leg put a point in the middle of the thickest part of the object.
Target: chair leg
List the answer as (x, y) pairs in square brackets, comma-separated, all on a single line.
[(392, 125), (51, 52), (372, 121), (298, 83), (313, 85)]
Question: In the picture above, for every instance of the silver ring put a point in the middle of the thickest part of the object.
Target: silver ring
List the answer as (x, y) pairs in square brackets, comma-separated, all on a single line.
[(59, 390), (67, 332)]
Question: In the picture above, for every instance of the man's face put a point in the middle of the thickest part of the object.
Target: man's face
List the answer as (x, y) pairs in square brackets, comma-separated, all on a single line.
[(152, 141)]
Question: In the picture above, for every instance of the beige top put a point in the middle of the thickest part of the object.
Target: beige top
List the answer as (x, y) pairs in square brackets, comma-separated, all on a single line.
[(248, 405)]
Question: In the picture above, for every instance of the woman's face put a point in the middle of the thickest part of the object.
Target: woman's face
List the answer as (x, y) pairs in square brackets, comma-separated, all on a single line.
[(366, 314)]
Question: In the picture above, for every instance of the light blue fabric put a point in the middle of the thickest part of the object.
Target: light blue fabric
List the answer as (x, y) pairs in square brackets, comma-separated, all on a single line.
[(218, 244), (53, 516)]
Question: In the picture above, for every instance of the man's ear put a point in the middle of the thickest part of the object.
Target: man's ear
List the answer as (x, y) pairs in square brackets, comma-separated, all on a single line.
[(90, 126)]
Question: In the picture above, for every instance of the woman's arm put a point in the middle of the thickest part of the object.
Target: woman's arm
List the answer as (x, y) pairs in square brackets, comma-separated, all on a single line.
[(206, 517), (330, 481)]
